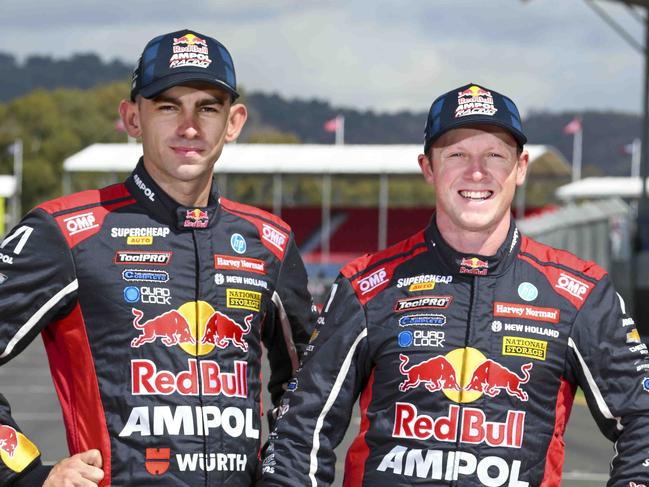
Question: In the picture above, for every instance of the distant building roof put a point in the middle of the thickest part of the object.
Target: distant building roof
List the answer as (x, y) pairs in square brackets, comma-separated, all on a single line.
[(606, 187)]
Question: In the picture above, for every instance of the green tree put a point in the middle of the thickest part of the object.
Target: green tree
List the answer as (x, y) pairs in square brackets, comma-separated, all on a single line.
[(54, 125)]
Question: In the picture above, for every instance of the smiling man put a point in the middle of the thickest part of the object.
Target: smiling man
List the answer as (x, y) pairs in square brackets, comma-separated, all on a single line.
[(154, 297), (465, 342)]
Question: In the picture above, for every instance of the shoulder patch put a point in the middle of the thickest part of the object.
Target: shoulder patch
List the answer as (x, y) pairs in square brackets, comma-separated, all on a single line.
[(273, 231), (570, 276), (81, 215), (370, 273)]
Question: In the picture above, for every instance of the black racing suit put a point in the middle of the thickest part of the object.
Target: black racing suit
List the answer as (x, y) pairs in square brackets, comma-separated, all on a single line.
[(466, 367), (153, 317)]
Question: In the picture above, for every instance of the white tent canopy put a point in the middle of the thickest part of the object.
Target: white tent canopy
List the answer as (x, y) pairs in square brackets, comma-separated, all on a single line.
[(605, 187), (7, 186), (292, 159), (316, 159)]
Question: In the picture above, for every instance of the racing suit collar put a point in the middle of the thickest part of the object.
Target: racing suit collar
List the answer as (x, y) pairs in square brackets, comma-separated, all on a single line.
[(166, 209), (474, 264)]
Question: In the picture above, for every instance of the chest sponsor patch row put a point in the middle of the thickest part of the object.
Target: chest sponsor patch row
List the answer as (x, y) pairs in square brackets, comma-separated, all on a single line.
[(142, 257), (421, 338), (220, 279), (422, 319), (497, 326), (423, 302), (526, 311), (146, 275), (231, 263), (524, 347), (423, 279), (243, 299), (121, 232)]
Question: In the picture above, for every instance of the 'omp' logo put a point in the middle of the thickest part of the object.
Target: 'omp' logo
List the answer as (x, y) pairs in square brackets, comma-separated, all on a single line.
[(80, 223), (372, 281), (572, 286), (16, 451)]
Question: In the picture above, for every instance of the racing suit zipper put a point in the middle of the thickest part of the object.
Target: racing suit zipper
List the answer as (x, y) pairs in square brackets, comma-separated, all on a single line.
[(197, 297), (469, 321)]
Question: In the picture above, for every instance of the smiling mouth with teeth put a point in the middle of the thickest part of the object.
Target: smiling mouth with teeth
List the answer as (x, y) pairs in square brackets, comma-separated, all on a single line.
[(476, 195)]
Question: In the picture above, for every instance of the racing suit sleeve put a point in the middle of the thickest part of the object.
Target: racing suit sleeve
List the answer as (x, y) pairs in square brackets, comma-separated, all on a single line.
[(316, 410), (293, 317), (612, 367), (37, 285)]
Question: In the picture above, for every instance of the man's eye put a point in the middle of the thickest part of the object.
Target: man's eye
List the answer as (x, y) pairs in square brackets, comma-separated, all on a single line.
[(209, 109), (166, 108)]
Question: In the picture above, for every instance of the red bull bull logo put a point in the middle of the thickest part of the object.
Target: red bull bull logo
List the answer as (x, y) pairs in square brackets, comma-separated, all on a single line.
[(190, 39), (480, 376), (171, 327), (8, 440), (196, 219), (195, 327), (473, 92), (492, 378), (474, 265), (435, 374), (16, 451), (222, 330)]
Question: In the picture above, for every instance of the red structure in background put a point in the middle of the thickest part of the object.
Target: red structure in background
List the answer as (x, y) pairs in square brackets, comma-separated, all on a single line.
[(356, 232)]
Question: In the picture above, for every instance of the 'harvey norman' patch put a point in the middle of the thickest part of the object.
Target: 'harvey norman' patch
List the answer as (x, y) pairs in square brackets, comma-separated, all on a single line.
[(526, 311)]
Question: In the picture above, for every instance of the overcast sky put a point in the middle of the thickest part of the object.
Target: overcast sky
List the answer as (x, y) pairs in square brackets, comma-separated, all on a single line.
[(384, 55)]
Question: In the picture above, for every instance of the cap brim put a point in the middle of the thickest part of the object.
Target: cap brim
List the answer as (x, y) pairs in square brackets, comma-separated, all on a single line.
[(157, 87), (478, 120)]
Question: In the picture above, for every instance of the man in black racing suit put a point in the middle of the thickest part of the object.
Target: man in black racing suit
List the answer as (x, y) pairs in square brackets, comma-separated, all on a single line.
[(465, 342), (154, 297)]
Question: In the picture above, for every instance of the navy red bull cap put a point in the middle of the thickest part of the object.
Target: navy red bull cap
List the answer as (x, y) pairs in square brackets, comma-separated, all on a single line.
[(472, 105), (181, 57)]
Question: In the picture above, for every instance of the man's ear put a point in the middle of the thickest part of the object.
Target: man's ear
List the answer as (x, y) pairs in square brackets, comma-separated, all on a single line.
[(130, 115), (521, 169), (426, 166), (236, 118)]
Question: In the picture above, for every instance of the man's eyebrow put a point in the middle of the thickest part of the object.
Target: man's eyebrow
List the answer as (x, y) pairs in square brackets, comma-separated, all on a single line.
[(215, 100), (162, 98)]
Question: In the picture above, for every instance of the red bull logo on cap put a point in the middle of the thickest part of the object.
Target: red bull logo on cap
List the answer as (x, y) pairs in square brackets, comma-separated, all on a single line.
[(190, 40), (480, 376), (475, 101), (16, 451)]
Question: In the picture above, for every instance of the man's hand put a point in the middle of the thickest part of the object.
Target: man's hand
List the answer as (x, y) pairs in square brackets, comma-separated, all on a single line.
[(80, 470)]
